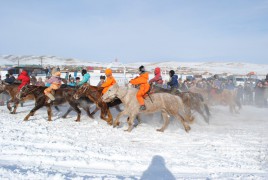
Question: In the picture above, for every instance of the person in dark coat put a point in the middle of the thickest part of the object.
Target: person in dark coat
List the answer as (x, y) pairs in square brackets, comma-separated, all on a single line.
[(9, 79), (24, 78), (259, 94), (173, 82)]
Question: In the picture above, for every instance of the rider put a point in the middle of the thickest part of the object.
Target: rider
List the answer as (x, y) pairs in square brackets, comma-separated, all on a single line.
[(142, 81), (24, 78), (85, 79), (157, 78), (55, 82), (173, 82), (109, 81)]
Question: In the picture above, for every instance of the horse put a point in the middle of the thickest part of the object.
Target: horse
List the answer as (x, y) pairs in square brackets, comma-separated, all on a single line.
[(94, 93), (224, 97), (62, 95), (192, 101), (12, 90), (167, 103)]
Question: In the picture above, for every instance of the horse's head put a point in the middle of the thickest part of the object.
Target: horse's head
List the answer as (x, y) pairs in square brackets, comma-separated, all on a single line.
[(24, 91), (81, 91), (111, 94)]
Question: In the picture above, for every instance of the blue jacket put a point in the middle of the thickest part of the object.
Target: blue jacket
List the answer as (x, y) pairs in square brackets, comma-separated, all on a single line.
[(173, 83), (84, 80), (71, 84)]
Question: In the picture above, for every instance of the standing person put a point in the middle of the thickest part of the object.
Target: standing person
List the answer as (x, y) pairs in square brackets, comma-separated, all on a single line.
[(85, 79), (40, 82), (46, 71), (109, 81), (259, 94), (75, 73), (173, 82), (144, 86), (24, 78), (102, 79), (55, 82), (157, 77), (58, 69)]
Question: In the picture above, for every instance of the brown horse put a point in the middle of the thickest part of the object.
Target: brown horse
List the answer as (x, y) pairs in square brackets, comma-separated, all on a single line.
[(192, 101), (94, 93), (62, 95), (12, 90), (224, 97)]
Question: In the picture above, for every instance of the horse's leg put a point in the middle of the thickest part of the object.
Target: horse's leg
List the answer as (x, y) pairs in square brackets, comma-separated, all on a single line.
[(166, 121), (185, 125), (95, 110), (49, 112), (77, 110), (8, 105), (38, 106), (116, 122), (131, 122), (117, 107), (16, 104), (87, 109), (67, 112), (57, 108), (110, 117)]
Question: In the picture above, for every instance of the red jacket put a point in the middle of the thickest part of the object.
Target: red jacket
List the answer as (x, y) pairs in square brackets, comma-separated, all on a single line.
[(157, 78), (24, 78)]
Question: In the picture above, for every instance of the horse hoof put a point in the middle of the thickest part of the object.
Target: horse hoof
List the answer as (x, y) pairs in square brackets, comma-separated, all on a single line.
[(77, 120), (160, 130), (25, 119), (63, 117), (110, 123), (187, 129)]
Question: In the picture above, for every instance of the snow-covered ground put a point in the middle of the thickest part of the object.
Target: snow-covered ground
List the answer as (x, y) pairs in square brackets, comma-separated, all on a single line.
[(230, 147)]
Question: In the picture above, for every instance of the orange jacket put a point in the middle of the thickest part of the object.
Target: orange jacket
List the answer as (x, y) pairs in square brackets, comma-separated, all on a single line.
[(108, 83), (142, 80)]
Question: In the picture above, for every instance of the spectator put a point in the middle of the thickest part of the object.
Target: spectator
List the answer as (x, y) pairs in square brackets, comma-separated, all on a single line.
[(33, 80), (259, 94), (40, 82), (75, 73)]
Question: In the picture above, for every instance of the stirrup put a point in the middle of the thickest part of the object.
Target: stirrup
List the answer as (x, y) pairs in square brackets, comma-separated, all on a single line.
[(142, 108)]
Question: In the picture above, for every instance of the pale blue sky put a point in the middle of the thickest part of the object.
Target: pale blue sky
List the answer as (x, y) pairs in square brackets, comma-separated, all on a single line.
[(137, 30)]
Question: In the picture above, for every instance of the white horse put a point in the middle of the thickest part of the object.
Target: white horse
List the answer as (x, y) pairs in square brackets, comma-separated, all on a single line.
[(166, 103)]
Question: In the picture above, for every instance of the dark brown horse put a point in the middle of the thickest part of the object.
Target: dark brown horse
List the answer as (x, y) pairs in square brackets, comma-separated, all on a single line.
[(62, 95), (12, 90), (192, 101), (94, 93)]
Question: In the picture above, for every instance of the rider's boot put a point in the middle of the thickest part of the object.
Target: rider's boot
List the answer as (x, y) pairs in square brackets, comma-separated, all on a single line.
[(51, 97)]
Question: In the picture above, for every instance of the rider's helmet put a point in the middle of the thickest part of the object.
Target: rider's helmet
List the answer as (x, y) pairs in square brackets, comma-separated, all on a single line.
[(84, 72), (171, 73), (141, 69)]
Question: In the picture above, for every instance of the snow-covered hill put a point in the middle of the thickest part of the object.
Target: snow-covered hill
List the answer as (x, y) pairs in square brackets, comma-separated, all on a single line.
[(191, 67)]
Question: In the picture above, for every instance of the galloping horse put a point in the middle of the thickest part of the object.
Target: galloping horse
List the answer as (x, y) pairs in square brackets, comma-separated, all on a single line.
[(62, 95), (94, 93), (225, 97), (192, 101), (12, 90), (167, 103)]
